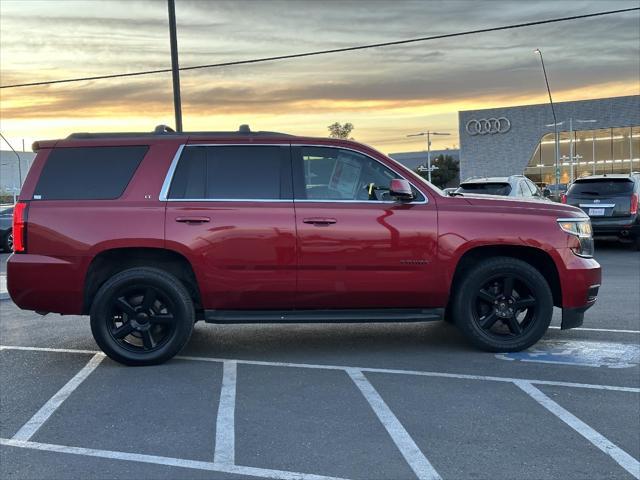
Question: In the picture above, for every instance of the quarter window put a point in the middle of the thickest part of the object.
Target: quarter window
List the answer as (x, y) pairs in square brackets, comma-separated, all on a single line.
[(338, 174), (88, 173), (232, 173)]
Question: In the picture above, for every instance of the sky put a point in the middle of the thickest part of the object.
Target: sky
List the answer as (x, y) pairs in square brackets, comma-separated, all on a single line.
[(386, 93)]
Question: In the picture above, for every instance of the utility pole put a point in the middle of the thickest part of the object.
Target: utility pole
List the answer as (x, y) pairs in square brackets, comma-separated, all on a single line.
[(177, 104), (428, 134)]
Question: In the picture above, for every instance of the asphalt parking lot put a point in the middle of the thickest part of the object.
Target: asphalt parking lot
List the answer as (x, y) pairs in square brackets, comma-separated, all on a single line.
[(380, 401)]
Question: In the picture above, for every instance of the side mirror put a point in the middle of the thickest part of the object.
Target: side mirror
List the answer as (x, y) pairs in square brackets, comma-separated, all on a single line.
[(400, 190), (546, 193)]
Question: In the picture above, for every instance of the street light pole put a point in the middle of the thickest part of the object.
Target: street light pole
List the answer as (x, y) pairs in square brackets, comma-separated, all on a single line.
[(428, 134), (593, 151), (19, 161), (630, 149), (177, 104), (571, 141), (553, 112)]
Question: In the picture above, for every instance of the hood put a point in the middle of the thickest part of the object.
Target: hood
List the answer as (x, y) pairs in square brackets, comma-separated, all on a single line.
[(530, 206)]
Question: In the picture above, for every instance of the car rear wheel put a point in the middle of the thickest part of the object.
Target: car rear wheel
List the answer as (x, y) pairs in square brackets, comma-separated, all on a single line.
[(503, 304), (7, 242), (142, 316)]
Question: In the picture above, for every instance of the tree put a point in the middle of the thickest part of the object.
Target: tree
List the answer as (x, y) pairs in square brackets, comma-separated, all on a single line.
[(340, 131), (448, 169)]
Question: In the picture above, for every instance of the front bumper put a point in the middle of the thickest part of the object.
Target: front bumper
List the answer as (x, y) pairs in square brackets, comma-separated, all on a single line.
[(580, 280), (573, 317)]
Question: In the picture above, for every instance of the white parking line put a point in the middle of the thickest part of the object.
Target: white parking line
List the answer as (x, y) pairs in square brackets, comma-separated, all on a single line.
[(42, 415), (419, 373), (167, 461), (461, 376), (608, 330), (45, 349), (225, 424), (625, 460), (408, 448)]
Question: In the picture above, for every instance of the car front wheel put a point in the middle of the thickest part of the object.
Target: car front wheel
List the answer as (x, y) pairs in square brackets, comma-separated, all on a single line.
[(142, 316), (503, 304)]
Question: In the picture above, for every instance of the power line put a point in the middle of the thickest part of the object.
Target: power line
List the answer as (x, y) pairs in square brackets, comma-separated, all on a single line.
[(325, 52)]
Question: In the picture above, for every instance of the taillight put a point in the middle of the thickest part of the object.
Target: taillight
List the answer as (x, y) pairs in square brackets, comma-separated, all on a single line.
[(563, 198), (19, 227), (634, 204)]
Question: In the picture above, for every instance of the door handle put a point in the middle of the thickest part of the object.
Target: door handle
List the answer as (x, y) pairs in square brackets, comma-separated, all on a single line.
[(320, 221), (192, 219)]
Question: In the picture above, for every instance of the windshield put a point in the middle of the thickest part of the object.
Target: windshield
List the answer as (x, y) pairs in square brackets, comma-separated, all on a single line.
[(601, 186), (485, 188)]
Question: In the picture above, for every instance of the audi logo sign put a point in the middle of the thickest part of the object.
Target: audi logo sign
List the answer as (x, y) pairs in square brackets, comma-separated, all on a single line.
[(486, 126)]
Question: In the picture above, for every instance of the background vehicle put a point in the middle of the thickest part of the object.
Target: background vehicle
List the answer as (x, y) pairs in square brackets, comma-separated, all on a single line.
[(513, 186), (612, 203), (6, 237), (148, 233), (554, 192)]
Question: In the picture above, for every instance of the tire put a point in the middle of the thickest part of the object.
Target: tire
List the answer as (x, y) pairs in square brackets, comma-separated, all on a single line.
[(142, 316), (481, 300), (7, 242)]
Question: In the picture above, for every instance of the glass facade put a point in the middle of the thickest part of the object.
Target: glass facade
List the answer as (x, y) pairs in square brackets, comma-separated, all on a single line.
[(607, 150)]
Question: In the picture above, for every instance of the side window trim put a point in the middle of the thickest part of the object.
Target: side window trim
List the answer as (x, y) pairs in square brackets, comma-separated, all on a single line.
[(166, 185), (297, 171)]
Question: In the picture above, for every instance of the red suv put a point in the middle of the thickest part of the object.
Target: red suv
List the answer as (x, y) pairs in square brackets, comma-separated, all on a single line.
[(149, 233)]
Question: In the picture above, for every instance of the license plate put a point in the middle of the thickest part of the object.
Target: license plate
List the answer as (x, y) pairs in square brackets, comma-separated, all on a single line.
[(595, 212)]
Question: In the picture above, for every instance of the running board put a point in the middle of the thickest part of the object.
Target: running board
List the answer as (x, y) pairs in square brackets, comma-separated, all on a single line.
[(325, 316)]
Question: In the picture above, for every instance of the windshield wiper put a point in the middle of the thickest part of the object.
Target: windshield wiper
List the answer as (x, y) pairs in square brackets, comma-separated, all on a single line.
[(455, 194)]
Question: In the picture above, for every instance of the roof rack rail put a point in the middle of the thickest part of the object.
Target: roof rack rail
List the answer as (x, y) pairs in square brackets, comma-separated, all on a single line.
[(163, 129), (166, 130)]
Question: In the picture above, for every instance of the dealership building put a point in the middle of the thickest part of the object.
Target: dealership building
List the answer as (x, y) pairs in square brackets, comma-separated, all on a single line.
[(603, 134)]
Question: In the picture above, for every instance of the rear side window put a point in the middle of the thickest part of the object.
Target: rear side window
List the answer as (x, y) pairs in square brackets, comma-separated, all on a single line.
[(609, 186), (232, 173), (486, 188), (88, 173)]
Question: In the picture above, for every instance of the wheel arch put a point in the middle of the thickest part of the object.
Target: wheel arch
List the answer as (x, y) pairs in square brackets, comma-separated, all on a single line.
[(109, 262), (536, 257)]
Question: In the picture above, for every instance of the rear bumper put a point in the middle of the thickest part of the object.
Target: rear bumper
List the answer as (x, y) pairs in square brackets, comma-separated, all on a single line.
[(47, 284), (616, 226)]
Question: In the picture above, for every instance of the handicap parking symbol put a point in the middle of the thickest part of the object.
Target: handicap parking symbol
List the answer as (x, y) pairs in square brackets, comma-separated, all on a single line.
[(579, 353)]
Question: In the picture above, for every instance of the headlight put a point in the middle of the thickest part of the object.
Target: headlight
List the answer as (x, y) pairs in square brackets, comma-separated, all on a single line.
[(580, 228)]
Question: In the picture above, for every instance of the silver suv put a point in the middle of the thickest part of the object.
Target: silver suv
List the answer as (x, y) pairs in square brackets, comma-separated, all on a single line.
[(513, 186)]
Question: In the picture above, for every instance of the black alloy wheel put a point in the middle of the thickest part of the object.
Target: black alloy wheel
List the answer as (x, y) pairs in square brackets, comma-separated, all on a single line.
[(8, 242), (503, 304), (142, 316)]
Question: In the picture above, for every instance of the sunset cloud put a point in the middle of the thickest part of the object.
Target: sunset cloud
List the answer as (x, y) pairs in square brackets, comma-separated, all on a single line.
[(385, 92)]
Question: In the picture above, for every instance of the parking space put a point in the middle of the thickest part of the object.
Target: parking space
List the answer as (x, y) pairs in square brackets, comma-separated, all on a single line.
[(328, 401)]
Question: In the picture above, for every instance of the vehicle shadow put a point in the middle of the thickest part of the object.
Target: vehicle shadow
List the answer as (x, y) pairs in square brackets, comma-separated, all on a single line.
[(306, 342)]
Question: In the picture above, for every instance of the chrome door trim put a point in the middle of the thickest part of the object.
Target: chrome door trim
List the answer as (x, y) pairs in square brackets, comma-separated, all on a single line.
[(426, 197), (164, 191)]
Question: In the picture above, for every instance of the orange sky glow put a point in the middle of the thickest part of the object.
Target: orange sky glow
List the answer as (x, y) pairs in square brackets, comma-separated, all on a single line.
[(386, 93)]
